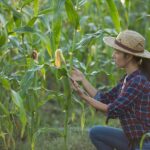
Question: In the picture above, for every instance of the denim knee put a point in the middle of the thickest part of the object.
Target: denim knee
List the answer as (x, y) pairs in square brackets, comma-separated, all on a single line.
[(92, 133)]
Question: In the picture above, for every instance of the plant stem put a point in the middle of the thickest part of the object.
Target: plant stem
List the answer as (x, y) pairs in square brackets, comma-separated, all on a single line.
[(71, 51), (66, 129)]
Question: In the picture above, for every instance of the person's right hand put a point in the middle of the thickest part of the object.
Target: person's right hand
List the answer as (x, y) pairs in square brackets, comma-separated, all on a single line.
[(76, 87), (77, 75)]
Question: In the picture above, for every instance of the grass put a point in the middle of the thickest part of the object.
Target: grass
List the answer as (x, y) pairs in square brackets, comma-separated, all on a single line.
[(76, 141)]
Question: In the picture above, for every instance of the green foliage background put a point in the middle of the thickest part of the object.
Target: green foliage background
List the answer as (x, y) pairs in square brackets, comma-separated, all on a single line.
[(29, 88)]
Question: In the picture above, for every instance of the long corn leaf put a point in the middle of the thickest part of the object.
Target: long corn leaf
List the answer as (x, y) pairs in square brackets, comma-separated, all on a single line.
[(22, 114), (72, 14), (15, 13), (5, 111), (114, 14), (146, 135), (36, 7)]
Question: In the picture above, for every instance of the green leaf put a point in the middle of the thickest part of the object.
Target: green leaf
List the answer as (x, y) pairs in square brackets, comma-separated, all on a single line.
[(3, 36), (67, 91), (114, 14), (36, 68), (58, 4), (15, 13), (82, 119), (62, 72), (2, 20), (83, 111), (24, 29), (88, 38), (43, 38), (81, 3), (4, 80), (46, 11), (25, 2), (143, 138), (19, 103), (46, 42), (32, 21), (57, 24), (2, 107), (72, 14), (36, 7), (6, 83), (16, 99), (27, 80), (127, 4), (46, 99)]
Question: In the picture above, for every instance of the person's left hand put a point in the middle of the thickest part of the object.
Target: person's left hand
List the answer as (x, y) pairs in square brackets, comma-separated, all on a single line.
[(77, 88)]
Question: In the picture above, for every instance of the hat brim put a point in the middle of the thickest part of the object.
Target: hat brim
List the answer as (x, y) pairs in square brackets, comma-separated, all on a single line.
[(110, 41)]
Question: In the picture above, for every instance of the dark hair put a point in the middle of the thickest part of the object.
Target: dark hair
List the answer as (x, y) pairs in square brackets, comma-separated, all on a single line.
[(144, 65)]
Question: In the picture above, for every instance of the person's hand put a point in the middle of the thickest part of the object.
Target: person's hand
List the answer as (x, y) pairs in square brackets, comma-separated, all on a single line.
[(77, 75), (72, 83), (75, 86)]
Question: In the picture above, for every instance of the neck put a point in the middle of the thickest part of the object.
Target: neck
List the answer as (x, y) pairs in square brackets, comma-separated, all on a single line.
[(131, 68)]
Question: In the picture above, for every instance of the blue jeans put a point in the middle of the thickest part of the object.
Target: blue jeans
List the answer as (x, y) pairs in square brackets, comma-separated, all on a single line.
[(108, 138)]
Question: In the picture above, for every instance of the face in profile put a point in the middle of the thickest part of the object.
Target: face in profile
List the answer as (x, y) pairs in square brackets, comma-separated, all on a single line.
[(119, 58)]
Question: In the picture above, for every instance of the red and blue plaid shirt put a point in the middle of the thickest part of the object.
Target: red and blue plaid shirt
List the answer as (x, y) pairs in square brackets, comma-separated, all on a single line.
[(131, 104)]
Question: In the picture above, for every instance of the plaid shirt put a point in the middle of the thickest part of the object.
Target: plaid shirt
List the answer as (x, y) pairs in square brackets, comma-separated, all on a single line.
[(131, 104)]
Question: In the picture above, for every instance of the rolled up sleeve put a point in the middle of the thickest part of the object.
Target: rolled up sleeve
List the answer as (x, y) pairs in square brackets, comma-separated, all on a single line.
[(108, 97)]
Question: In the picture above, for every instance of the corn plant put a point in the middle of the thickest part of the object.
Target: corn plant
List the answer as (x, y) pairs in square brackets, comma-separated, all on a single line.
[(143, 138), (30, 34)]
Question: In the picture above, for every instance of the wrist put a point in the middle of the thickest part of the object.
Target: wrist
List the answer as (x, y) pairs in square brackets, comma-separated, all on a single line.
[(83, 80), (85, 97)]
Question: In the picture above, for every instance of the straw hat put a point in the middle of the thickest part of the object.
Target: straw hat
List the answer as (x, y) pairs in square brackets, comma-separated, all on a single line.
[(130, 42)]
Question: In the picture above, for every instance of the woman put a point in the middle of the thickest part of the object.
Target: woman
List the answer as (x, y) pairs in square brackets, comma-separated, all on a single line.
[(129, 100)]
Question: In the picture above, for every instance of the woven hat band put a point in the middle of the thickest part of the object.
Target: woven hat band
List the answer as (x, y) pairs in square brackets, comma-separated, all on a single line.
[(127, 48)]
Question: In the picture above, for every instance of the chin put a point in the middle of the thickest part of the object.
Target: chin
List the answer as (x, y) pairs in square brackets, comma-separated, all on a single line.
[(118, 66)]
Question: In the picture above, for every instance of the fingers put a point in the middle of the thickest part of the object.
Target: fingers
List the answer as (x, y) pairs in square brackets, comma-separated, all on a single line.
[(74, 84), (73, 87), (74, 72), (75, 69), (77, 75), (72, 80)]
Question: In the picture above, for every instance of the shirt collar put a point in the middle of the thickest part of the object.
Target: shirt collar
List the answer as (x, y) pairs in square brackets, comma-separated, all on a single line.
[(133, 74)]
